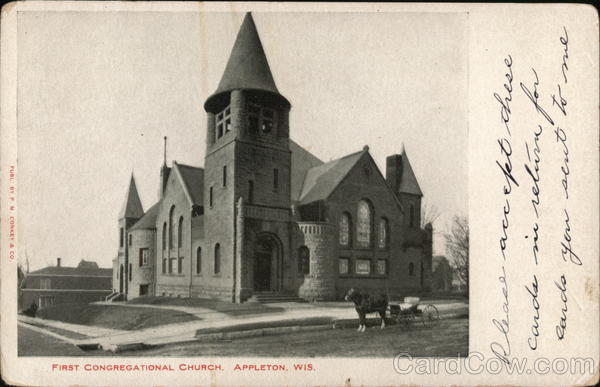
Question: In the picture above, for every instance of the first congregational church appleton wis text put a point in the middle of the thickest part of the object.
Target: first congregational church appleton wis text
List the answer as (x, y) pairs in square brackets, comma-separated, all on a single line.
[(266, 217)]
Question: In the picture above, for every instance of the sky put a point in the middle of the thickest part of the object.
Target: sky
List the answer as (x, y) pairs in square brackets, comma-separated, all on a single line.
[(97, 91)]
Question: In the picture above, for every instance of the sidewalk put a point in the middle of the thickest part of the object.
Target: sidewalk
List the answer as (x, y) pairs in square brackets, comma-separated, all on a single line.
[(85, 330), (212, 324)]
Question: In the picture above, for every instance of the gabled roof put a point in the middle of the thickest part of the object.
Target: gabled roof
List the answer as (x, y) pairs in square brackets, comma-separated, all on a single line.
[(132, 207), (322, 180), (408, 181), (192, 180), (72, 271), (247, 67), (148, 221), (302, 161)]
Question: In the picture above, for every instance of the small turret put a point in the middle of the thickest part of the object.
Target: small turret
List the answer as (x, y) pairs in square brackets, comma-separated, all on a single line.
[(403, 182), (132, 207), (130, 213)]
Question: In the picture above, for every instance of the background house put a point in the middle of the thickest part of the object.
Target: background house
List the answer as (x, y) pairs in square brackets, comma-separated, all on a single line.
[(442, 274), (59, 285)]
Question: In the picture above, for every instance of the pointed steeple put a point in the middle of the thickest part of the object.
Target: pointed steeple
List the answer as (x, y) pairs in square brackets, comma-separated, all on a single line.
[(408, 181), (132, 207), (247, 69)]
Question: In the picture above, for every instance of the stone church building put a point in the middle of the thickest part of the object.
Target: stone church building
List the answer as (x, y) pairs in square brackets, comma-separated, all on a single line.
[(266, 216)]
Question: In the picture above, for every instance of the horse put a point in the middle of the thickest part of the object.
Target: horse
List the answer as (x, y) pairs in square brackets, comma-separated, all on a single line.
[(365, 303)]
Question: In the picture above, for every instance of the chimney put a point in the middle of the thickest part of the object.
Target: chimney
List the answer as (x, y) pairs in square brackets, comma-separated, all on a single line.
[(393, 171), (164, 171), (58, 262)]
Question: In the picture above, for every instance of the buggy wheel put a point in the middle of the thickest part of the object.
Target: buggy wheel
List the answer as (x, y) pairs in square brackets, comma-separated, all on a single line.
[(430, 315)]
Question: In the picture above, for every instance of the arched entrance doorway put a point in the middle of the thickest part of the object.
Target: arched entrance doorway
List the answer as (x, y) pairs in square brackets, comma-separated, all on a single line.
[(121, 279), (266, 263)]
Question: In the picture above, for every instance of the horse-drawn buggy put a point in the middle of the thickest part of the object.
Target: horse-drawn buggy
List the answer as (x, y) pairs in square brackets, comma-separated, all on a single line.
[(410, 311), (404, 314)]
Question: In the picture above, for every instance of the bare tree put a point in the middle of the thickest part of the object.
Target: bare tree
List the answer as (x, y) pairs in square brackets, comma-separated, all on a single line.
[(457, 247), (429, 214), (20, 274)]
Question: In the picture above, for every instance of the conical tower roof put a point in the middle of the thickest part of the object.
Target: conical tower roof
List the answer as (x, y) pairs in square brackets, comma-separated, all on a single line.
[(247, 69), (408, 181), (132, 207)]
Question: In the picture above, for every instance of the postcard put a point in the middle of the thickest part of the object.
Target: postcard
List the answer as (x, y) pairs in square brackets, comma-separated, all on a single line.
[(299, 194)]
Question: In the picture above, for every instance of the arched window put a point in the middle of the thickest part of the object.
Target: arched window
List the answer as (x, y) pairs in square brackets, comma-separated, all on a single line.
[(164, 236), (411, 269), (412, 216), (171, 235), (199, 260), (250, 191), (303, 260), (383, 233), (180, 233), (217, 258), (121, 236), (345, 227), (364, 224)]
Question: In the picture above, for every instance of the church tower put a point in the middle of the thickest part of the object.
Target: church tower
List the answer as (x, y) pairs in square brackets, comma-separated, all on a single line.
[(130, 213), (248, 119), (248, 159)]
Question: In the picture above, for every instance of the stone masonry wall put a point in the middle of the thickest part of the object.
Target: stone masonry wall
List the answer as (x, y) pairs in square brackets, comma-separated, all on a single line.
[(174, 283), (142, 274), (319, 284)]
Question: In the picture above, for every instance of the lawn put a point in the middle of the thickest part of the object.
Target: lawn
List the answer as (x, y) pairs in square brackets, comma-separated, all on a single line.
[(114, 317), (449, 338), (33, 343), (225, 307)]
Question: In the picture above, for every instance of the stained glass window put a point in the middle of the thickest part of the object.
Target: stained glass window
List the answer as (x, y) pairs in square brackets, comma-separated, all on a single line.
[(381, 267), (383, 233), (171, 233), (363, 224), (180, 233), (345, 230), (164, 237), (343, 266), (363, 266)]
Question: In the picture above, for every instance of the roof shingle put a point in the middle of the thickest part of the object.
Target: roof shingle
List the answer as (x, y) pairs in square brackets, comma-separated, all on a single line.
[(408, 181), (132, 207), (79, 271), (247, 67), (302, 161), (193, 182), (322, 180), (148, 221)]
